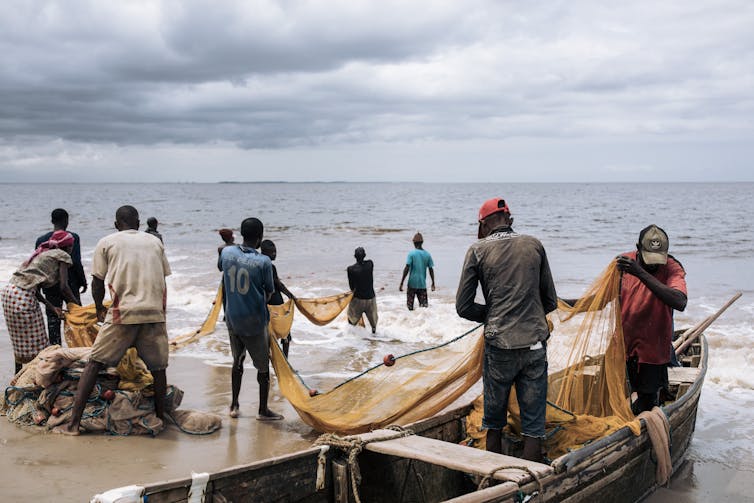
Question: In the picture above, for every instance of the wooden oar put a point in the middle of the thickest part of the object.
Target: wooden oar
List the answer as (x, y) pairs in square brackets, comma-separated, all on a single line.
[(698, 330), (682, 338)]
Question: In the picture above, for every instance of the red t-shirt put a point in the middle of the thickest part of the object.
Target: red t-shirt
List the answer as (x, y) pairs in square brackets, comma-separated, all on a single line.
[(647, 321)]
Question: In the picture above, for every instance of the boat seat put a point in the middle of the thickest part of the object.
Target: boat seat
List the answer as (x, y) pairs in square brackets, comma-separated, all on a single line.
[(682, 375), (456, 457)]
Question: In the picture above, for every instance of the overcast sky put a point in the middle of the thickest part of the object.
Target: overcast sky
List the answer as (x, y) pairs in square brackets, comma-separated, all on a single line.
[(469, 90)]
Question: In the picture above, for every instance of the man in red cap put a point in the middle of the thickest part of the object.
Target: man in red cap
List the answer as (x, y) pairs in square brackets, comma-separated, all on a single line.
[(518, 290)]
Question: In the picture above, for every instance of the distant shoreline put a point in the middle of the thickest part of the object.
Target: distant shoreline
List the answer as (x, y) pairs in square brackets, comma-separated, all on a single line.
[(384, 182)]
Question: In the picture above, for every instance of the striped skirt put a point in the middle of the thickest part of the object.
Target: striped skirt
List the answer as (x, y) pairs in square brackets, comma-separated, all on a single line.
[(26, 325)]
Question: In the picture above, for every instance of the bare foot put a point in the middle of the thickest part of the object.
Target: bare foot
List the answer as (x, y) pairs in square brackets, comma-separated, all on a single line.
[(234, 412), (63, 430), (268, 415)]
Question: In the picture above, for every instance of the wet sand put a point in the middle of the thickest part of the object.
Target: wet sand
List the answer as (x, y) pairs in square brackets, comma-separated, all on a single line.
[(51, 467)]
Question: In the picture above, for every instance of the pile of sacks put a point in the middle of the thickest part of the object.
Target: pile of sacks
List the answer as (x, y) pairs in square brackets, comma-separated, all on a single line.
[(41, 397)]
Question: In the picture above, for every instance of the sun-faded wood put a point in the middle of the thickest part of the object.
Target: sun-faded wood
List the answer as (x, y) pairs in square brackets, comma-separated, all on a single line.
[(678, 375), (458, 457)]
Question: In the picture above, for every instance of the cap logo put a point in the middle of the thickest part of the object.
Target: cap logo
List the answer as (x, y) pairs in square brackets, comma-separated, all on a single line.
[(655, 244)]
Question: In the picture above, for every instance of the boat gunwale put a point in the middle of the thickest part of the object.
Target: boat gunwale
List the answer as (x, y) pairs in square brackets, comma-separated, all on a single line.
[(567, 461)]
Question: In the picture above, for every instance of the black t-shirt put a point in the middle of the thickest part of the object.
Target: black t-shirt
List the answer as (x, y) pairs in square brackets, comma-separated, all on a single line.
[(360, 279)]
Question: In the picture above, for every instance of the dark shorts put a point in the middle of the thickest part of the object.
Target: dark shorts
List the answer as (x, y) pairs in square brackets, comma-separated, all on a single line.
[(527, 370), (357, 307), (258, 348), (420, 293), (646, 378)]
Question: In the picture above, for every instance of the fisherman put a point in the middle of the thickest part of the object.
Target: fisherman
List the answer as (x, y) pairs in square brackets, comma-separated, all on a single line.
[(248, 281), (417, 263), (361, 283), (134, 266), (653, 285), (152, 228), (47, 267), (276, 299), (518, 290), (76, 276)]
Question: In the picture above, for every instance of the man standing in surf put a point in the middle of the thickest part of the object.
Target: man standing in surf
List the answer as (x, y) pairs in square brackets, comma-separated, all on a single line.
[(249, 284), (417, 263), (361, 283)]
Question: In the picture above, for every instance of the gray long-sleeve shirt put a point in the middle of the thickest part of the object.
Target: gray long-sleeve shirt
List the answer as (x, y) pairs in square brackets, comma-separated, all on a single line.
[(517, 286)]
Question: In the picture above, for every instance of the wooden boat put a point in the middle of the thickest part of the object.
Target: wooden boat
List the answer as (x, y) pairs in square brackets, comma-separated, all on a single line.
[(430, 465)]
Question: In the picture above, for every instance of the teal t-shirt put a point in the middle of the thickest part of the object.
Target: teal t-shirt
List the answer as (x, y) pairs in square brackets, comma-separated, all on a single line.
[(418, 261)]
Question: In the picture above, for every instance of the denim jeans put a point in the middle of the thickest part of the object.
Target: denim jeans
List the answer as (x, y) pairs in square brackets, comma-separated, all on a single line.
[(527, 369)]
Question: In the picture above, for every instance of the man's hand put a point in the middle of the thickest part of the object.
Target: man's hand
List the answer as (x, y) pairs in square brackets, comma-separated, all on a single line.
[(400, 287), (101, 312), (433, 287), (83, 288), (58, 312), (628, 265)]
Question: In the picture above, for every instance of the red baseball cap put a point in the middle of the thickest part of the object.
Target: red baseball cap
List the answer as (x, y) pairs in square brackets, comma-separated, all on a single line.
[(492, 206)]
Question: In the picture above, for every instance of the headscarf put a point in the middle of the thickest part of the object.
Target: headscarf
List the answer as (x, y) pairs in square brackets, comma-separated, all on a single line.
[(59, 239)]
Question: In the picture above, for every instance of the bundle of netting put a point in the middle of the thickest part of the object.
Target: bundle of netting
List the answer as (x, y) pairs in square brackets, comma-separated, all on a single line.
[(588, 397)]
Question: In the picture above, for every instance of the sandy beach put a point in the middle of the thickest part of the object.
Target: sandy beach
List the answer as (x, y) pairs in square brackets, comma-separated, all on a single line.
[(77, 468), (52, 467)]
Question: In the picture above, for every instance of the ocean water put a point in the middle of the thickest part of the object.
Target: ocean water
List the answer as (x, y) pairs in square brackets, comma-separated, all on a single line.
[(317, 226)]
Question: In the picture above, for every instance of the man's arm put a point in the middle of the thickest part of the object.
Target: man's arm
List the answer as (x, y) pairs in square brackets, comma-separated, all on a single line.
[(432, 275), (55, 309), (465, 305), (547, 285), (351, 283), (280, 286), (98, 294), (77, 269), (403, 278), (668, 295), (65, 288)]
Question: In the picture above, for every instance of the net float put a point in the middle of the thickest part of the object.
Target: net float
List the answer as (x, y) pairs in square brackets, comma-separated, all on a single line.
[(55, 411), (108, 395), (389, 360), (313, 392)]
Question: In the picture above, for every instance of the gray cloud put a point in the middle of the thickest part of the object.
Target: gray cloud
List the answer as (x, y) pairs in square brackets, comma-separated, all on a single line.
[(81, 82)]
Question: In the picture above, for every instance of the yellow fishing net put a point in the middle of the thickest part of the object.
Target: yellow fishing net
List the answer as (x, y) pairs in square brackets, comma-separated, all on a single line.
[(319, 311), (80, 326), (587, 396), (281, 319), (416, 386), (587, 391), (323, 310), (207, 327)]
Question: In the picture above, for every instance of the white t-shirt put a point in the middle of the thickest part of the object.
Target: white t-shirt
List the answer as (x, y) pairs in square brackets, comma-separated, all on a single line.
[(133, 266)]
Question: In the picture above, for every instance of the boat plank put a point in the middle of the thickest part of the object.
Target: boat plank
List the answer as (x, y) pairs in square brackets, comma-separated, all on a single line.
[(678, 375), (458, 457)]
